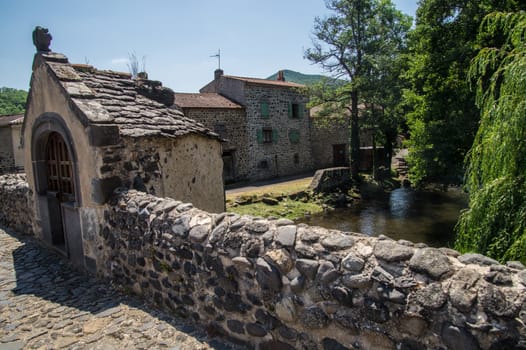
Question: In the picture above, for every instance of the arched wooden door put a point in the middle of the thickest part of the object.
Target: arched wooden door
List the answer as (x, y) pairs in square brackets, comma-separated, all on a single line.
[(60, 185)]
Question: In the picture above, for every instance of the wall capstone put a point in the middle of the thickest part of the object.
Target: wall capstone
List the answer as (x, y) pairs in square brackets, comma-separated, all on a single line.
[(274, 284)]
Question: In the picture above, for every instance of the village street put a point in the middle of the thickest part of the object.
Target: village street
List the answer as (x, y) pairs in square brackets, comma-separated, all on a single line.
[(46, 304)]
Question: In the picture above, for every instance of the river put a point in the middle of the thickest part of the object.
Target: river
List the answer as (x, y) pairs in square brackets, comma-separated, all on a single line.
[(404, 213)]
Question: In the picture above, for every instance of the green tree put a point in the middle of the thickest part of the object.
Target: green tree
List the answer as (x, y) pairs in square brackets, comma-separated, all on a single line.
[(12, 101), (495, 223), (443, 117), (350, 44)]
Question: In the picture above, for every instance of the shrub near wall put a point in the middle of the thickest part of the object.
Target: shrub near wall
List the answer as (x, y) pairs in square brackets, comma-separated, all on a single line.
[(277, 285), (16, 207)]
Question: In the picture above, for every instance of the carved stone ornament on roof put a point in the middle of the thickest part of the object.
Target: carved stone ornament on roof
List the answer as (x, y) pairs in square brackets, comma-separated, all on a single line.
[(42, 39)]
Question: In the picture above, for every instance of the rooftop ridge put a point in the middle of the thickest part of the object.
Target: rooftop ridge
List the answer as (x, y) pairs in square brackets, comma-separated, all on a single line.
[(264, 81)]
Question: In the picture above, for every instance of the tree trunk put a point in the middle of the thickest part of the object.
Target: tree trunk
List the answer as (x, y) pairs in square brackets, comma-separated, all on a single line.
[(354, 153), (375, 177)]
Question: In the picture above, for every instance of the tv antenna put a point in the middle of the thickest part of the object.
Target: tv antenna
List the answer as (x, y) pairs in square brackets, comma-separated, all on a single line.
[(218, 55)]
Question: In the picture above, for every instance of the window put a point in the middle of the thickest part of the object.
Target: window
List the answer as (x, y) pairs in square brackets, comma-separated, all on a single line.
[(263, 164), (267, 135), (295, 110), (264, 109), (294, 136)]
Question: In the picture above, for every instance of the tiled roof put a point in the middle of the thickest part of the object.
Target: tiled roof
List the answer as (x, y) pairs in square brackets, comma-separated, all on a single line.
[(265, 81), (137, 107), (6, 120), (204, 100)]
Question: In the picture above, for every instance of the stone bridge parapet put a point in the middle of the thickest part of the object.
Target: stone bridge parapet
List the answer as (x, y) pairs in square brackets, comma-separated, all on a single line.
[(277, 285), (286, 286), (16, 203)]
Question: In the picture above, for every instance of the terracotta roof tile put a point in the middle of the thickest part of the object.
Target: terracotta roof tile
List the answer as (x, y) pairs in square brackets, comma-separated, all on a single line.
[(11, 119), (265, 81), (204, 100)]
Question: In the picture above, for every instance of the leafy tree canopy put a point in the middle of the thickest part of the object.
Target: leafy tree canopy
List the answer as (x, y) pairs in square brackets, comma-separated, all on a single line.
[(495, 223), (356, 43), (12, 101), (443, 117)]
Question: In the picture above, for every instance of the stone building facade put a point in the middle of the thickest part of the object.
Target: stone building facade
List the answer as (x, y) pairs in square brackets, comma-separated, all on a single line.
[(277, 125), (330, 143), (87, 132), (11, 154), (226, 118), (269, 131)]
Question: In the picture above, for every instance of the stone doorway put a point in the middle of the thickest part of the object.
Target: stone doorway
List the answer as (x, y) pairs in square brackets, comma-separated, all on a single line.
[(60, 186), (55, 173), (338, 155), (228, 166)]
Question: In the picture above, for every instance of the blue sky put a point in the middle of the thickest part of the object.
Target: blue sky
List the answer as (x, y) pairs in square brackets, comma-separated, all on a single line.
[(177, 38)]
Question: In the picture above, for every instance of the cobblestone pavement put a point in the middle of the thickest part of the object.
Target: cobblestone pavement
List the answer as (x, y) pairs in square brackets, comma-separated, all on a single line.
[(46, 304)]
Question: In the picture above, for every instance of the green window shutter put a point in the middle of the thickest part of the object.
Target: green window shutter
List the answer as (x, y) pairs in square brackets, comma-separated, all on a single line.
[(294, 136), (259, 135), (264, 110), (290, 110), (274, 136), (301, 107)]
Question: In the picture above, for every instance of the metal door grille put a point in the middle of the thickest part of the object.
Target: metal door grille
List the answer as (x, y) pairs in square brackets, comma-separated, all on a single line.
[(59, 168)]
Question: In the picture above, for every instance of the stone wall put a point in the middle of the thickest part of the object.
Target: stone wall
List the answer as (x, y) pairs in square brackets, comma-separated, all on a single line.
[(325, 133), (277, 285), (230, 124), (330, 179), (188, 167), (16, 203), (7, 158), (286, 154)]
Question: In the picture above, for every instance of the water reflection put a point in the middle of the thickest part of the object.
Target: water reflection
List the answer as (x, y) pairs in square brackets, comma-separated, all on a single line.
[(418, 216)]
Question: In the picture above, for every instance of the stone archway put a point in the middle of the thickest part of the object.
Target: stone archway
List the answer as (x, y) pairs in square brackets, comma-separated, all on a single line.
[(55, 175)]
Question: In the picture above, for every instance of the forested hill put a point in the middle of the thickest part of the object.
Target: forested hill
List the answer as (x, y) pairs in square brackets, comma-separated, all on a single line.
[(12, 101), (297, 77)]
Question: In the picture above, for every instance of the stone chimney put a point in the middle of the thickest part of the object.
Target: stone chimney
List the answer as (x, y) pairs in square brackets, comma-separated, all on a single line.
[(218, 73), (281, 76)]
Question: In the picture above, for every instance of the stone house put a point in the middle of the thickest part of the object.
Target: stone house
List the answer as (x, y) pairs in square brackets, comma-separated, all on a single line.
[(276, 140), (268, 130), (87, 132), (226, 118), (330, 142), (11, 154)]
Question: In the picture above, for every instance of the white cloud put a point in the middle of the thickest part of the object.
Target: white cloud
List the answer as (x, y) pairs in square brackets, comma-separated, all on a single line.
[(120, 61)]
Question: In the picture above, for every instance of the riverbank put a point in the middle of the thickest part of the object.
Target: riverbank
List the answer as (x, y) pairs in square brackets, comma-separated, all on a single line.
[(374, 207), (293, 200), (290, 199)]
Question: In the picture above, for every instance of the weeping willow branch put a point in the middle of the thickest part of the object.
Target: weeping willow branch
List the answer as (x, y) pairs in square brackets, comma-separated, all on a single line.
[(495, 223)]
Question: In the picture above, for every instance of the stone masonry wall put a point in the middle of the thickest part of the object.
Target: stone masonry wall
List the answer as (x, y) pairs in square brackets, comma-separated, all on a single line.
[(16, 203), (7, 158), (277, 285), (330, 179), (282, 156), (230, 124), (325, 134), (188, 167)]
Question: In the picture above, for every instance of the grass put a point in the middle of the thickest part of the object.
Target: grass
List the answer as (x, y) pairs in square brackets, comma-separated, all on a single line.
[(279, 189), (285, 207)]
